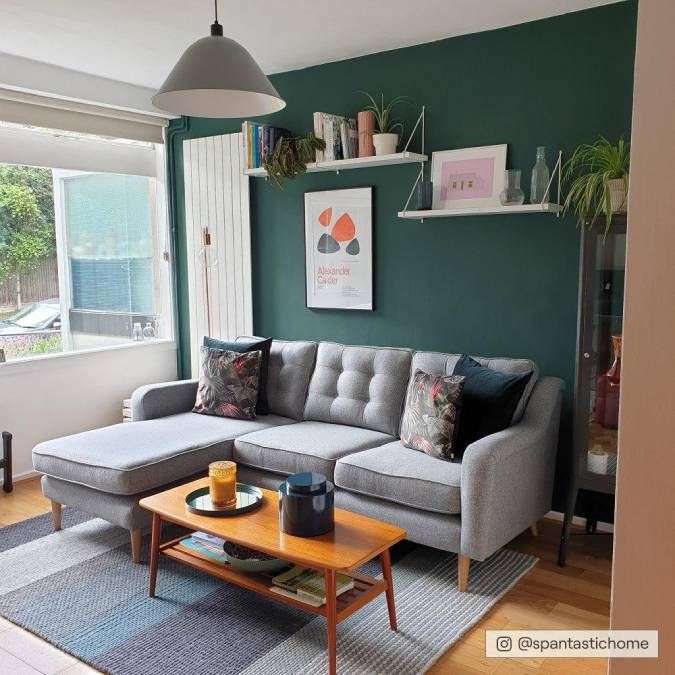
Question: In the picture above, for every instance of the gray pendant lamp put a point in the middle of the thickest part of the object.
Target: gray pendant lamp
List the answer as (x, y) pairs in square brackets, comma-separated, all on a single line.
[(217, 77)]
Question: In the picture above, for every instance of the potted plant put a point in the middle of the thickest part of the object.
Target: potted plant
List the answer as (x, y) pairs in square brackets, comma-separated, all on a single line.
[(290, 156), (385, 138), (597, 174)]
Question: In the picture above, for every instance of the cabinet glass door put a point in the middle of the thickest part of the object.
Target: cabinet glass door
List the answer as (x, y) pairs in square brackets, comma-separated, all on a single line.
[(599, 364)]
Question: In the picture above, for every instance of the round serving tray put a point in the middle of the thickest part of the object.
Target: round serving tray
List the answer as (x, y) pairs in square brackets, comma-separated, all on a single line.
[(249, 497)]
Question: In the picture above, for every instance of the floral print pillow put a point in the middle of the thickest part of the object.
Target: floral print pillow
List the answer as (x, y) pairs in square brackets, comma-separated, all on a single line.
[(228, 383), (431, 415)]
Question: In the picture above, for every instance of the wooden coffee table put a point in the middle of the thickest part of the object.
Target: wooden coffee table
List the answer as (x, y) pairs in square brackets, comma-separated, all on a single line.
[(355, 540)]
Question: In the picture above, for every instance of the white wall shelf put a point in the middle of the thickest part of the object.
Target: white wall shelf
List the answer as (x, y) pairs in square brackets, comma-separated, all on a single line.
[(546, 207), (338, 165)]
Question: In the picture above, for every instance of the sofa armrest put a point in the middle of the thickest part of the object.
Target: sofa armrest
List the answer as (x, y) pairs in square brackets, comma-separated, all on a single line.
[(161, 400), (507, 477)]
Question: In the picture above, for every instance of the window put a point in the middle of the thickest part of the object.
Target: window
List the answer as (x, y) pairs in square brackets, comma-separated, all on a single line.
[(82, 261)]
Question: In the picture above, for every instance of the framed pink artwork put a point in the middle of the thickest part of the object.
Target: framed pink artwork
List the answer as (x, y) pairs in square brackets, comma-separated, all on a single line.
[(468, 177)]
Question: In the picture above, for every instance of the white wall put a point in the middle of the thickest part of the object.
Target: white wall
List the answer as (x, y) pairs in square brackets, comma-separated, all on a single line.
[(54, 396)]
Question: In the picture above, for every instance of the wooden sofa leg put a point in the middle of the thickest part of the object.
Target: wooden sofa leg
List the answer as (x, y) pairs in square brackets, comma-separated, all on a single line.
[(534, 529), (463, 564), (56, 515), (136, 545)]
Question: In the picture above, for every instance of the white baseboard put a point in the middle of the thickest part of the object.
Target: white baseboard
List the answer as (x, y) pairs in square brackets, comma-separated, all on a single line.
[(24, 475), (578, 520)]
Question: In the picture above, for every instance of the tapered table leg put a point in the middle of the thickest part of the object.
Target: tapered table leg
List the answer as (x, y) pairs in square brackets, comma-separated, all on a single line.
[(385, 561), (331, 620), (154, 552)]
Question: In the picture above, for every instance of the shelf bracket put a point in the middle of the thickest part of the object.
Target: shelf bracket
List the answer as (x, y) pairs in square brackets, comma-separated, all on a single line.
[(420, 120), (557, 171), (420, 176)]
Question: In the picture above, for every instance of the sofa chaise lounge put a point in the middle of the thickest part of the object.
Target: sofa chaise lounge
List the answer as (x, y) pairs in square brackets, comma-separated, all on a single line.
[(335, 409)]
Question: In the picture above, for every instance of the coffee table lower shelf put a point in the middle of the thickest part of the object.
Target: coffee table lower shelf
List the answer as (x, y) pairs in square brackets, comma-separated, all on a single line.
[(365, 588)]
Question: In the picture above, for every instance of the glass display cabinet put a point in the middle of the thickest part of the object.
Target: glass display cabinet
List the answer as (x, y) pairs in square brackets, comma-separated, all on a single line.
[(598, 367)]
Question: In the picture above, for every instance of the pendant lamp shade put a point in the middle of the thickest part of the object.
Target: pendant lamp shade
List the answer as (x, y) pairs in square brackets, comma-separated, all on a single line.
[(217, 77)]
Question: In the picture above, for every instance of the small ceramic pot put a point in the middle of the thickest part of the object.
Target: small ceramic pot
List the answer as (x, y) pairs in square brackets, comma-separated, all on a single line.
[(385, 144)]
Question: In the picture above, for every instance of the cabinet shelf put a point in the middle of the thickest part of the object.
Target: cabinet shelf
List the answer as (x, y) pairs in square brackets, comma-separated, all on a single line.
[(481, 211), (354, 163)]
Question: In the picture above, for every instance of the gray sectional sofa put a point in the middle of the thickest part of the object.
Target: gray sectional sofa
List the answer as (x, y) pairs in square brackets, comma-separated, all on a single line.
[(335, 409)]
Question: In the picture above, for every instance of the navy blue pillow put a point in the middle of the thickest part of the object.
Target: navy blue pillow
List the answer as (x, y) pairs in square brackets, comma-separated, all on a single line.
[(262, 406), (489, 400)]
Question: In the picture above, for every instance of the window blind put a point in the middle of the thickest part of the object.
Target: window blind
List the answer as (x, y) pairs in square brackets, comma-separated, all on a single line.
[(54, 113)]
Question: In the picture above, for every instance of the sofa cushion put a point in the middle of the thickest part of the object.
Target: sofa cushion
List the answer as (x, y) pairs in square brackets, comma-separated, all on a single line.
[(128, 459), (404, 476), (288, 376), (306, 446), (432, 414), (438, 363), (359, 386), (228, 383), (241, 345), (489, 400)]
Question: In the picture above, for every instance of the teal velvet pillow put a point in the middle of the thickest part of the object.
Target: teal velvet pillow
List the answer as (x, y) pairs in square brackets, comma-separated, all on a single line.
[(243, 346), (489, 400)]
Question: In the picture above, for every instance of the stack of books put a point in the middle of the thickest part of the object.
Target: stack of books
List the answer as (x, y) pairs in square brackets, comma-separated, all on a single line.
[(260, 141), (339, 133), (126, 410), (308, 585), (207, 545)]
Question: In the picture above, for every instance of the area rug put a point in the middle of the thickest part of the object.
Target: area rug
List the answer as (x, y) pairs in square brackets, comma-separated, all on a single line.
[(78, 589)]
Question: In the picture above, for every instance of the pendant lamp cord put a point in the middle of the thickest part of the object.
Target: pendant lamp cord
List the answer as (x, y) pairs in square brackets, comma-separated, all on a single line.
[(216, 28)]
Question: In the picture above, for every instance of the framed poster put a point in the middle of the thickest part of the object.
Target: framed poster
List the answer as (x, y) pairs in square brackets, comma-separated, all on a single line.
[(339, 248), (468, 177)]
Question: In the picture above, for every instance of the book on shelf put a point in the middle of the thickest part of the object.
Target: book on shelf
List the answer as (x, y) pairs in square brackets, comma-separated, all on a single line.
[(209, 539), (318, 132), (200, 546), (349, 137), (340, 135), (331, 136), (295, 596), (259, 142), (309, 585)]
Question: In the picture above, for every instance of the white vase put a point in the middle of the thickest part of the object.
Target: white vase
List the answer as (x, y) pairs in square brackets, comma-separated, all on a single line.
[(385, 144), (617, 195)]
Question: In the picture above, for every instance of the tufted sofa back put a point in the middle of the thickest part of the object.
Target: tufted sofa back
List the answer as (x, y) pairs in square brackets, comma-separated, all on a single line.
[(290, 369), (358, 386)]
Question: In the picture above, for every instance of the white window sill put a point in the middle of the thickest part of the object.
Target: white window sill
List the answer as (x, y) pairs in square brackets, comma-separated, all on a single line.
[(34, 362)]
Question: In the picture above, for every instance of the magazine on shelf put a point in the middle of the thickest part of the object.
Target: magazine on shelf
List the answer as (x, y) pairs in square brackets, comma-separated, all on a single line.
[(309, 585), (205, 549)]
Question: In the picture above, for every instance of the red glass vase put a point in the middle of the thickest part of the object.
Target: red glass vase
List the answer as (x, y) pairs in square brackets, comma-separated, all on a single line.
[(609, 386)]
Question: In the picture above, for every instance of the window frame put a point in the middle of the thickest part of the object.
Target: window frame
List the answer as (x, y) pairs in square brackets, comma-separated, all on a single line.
[(163, 273)]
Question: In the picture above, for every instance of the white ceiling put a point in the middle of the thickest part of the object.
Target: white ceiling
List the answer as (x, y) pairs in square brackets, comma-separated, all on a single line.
[(138, 41)]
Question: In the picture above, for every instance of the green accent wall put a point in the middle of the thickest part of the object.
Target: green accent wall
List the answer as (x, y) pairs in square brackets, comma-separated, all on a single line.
[(493, 285)]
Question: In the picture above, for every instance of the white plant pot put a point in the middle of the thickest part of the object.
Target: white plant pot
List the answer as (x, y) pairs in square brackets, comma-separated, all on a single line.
[(385, 144), (617, 195)]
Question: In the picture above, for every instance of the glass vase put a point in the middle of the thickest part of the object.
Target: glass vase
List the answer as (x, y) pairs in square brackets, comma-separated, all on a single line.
[(540, 177), (512, 195), (424, 195)]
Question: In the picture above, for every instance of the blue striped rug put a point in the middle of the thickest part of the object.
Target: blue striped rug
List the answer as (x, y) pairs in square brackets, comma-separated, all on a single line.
[(78, 589)]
